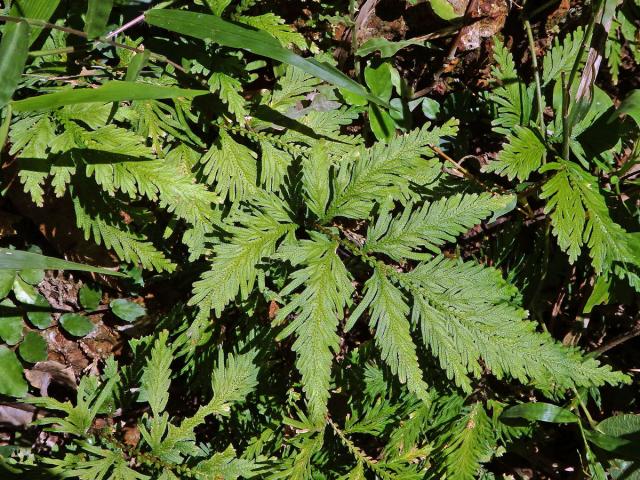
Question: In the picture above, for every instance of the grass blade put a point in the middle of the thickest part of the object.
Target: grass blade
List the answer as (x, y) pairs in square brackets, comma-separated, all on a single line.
[(19, 260), (113, 91), (210, 27), (98, 13), (14, 48), (37, 9)]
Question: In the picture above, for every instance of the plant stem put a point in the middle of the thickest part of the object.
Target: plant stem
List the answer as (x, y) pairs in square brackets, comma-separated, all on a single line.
[(566, 126), (536, 76), (135, 21)]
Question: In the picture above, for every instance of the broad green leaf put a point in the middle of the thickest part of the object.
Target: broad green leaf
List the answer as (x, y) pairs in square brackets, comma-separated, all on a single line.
[(430, 108), (11, 323), (137, 63), (540, 411), (33, 348), (631, 106), (6, 282), (76, 325), (18, 260), (379, 81), (98, 12), (12, 381), (381, 123), (6, 123), (111, 91), (126, 309), (39, 313), (32, 276), (90, 297), (443, 9), (37, 9), (24, 292), (210, 27), (14, 48), (619, 425), (385, 47)]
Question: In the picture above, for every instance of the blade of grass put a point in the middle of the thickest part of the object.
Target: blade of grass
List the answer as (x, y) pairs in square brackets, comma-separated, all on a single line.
[(98, 12), (210, 27), (112, 91), (14, 49), (19, 260)]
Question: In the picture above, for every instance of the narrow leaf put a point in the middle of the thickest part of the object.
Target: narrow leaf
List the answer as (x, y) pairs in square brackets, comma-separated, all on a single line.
[(14, 48), (540, 411), (210, 27), (18, 260), (35, 9), (98, 13), (112, 91), (12, 380)]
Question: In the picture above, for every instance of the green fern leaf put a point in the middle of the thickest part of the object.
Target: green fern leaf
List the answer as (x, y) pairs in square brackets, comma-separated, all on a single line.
[(430, 226), (231, 168), (156, 376), (228, 88), (129, 246), (465, 313), (469, 444), (580, 217), (389, 312), (522, 155), (274, 25), (382, 170), (561, 57), (512, 98), (319, 307), (234, 267)]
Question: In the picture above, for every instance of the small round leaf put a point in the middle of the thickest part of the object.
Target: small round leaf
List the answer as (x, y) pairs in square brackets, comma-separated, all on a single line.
[(33, 348), (39, 313), (11, 323), (24, 292), (90, 297), (6, 282), (32, 276), (126, 310), (76, 325), (12, 381)]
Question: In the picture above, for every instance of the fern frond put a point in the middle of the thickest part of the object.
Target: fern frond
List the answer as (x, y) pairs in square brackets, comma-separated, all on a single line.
[(522, 155), (580, 216), (315, 179), (228, 88), (156, 377), (512, 97), (231, 168), (389, 311), (225, 466), (293, 86), (274, 164), (234, 266), (319, 307), (274, 25), (430, 226), (561, 57), (231, 381), (382, 170), (128, 245), (469, 444), (465, 313)]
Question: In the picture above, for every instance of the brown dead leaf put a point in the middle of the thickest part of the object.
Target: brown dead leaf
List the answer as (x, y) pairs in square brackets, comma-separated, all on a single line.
[(42, 374)]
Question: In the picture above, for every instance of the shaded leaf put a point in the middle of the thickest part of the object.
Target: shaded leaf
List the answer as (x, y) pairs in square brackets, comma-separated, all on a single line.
[(33, 348), (76, 325), (12, 381)]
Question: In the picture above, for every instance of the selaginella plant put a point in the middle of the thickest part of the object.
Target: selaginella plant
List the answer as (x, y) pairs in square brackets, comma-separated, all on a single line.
[(345, 245)]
